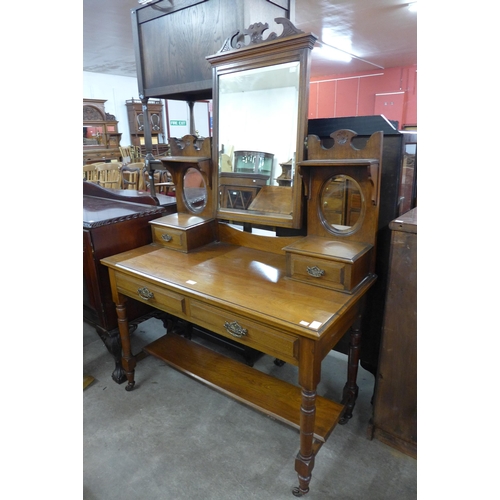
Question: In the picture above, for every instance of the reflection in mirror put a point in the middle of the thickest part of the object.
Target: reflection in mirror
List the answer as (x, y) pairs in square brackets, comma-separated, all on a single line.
[(194, 190), (258, 111), (342, 205), (93, 135)]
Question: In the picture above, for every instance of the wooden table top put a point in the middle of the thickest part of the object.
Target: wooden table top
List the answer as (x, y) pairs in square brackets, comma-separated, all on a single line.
[(251, 282), (99, 211)]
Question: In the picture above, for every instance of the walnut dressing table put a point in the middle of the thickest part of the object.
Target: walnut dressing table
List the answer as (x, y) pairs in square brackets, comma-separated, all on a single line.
[(241, 286), (291, 297)]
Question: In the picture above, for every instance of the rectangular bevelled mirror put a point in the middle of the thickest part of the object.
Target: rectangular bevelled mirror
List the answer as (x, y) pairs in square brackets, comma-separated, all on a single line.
[(260, 120)]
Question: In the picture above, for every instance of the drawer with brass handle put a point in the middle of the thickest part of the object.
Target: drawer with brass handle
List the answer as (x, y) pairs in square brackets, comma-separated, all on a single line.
[(329, 264), (182, 232), (245, 331), (151, 294)]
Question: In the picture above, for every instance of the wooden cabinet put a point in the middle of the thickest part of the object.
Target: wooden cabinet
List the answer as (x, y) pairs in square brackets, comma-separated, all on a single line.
[(136, 117), (172, 40), (395, 406), (101, 139)]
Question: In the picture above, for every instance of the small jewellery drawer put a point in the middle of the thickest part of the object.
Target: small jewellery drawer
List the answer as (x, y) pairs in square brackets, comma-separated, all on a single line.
[(169, 237), (151, 294), (329, 264), (245, 331), (182, 232), (321, 272)]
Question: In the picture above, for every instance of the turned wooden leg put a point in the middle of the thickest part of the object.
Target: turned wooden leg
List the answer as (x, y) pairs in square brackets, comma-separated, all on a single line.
[(128, 360), (309, 377), (350, 392), (304, 462)]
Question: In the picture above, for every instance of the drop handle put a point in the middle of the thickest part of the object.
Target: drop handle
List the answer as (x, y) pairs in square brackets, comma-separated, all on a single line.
[(315, 271), (145, 293), (166, 237), (234, 329)]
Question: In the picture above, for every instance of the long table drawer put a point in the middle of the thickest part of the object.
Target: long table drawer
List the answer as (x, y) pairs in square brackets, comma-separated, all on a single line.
[(245, 331), (151, 294)]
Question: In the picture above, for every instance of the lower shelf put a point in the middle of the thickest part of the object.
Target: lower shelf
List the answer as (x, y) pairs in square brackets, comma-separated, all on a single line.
[(263, 392)]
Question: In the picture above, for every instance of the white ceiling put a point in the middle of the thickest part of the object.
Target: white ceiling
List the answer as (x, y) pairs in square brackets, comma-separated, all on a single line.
[(377, 34)]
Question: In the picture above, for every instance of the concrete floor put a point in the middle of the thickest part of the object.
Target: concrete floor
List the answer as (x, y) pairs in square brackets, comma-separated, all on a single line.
[(173, 438)]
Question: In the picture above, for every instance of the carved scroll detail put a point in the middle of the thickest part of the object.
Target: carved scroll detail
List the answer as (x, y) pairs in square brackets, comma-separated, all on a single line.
[(255, 31), (190, 145)]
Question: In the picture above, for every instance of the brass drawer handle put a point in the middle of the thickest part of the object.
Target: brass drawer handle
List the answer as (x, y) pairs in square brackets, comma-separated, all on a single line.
[(145, 293), (235, 329), (166, 237), (315, 271)]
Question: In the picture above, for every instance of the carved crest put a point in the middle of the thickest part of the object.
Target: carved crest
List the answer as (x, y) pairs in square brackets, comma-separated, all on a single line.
[(254, 34), (189, 145)]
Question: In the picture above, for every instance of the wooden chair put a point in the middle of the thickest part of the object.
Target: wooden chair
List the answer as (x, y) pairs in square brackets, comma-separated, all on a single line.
[(162, 179), (132, 177), (126, 155), (90, 173), (130, 154), (109, 175), (136, 154)]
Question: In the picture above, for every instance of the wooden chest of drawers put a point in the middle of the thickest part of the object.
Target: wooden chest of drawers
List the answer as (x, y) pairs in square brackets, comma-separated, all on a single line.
[(97, 155)]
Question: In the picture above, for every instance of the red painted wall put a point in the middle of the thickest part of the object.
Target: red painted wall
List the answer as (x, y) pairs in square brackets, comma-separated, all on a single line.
[(363, 94)]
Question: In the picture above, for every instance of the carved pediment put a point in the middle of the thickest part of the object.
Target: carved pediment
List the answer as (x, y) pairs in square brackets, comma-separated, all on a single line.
[(91, 114)]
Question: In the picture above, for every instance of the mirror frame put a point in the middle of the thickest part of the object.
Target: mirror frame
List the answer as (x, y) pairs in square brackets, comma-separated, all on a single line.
[(291, 46)]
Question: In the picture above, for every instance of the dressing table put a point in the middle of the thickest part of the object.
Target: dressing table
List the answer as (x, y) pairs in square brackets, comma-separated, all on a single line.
[(291, 297)]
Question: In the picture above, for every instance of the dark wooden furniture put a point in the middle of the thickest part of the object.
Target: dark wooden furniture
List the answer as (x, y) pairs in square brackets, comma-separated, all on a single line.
[(398, 195), (112, 222), (101, 139), (394, 419), (199, 28), (239, 190), (135, 115)]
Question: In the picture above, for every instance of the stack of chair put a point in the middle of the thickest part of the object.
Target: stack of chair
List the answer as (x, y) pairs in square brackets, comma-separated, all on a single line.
[(109, 175), (132, 176), (90, 173)]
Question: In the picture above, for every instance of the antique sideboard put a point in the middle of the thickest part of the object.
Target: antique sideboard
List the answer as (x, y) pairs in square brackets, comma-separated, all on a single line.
[(113, 221), (101, 139)]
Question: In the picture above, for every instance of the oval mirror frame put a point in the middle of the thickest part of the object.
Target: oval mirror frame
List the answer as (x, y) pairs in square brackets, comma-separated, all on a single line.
[(244, 196), (194, 190), (341, 205)]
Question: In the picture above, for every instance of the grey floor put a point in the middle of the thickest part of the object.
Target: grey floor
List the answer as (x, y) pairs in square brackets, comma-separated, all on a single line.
[(173, 438)]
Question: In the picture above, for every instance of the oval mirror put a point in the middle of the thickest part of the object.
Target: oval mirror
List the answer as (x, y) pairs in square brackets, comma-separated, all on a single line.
[(194, 190), (342, 205)]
